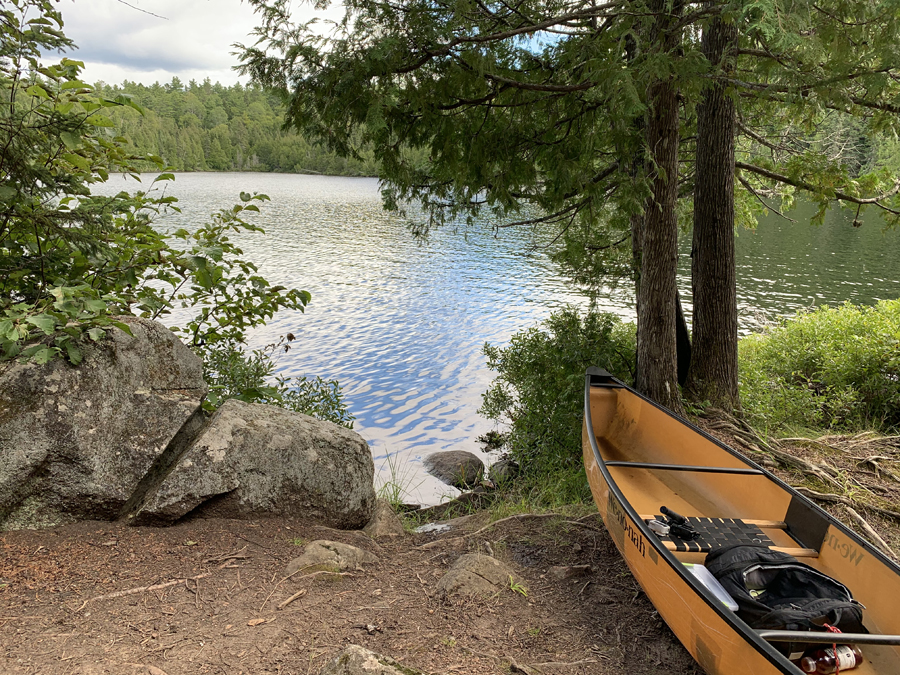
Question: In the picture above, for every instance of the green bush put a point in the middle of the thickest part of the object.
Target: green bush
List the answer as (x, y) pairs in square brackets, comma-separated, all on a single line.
[(539, 390), (836, 368), (71, 261), (233, 372)]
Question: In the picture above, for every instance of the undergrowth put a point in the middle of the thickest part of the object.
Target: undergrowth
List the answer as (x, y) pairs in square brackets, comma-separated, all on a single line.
[(539, 394), (831, 368)]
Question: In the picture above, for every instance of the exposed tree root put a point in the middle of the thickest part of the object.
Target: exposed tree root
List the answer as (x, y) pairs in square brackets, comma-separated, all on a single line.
[(520, 516), (872, 534)]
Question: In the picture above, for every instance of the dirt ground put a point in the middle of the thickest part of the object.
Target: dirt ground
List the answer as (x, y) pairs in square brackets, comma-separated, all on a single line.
[(206, 596), (203, 597)]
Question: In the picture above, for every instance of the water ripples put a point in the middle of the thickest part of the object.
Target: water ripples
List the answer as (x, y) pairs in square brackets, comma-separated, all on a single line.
[(401, 323)]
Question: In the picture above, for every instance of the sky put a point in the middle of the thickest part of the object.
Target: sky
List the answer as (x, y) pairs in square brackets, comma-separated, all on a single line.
[(192, 40)]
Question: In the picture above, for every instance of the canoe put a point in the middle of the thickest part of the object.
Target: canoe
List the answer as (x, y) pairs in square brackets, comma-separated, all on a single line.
[(640, 457)]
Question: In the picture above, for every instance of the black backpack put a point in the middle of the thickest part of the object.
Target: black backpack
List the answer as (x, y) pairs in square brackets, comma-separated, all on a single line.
[(774, 590)]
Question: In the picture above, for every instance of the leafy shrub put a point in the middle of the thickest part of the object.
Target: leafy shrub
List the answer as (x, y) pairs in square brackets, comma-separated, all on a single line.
[(539, 390), (70, 261), (833, 367), (233, 372)]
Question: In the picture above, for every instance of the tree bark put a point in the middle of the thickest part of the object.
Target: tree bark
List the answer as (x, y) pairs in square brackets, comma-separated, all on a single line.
[(713, 371), (658, 370)]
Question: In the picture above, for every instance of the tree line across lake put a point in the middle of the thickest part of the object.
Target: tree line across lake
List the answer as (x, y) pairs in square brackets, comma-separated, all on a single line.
[(212, 127)]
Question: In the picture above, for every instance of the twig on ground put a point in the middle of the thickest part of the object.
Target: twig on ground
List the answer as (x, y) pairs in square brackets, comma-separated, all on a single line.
[(560, 664), (584, 525), (145, 589), (298, 594), (846, 501), (229, 556), (151, 670)]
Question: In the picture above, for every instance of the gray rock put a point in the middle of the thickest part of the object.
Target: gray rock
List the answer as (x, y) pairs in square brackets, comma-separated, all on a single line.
[(476, 574), (458, 468), (384, 522), (332, 556), (261, 460), (76, 441), (503, 470), (356, 660)]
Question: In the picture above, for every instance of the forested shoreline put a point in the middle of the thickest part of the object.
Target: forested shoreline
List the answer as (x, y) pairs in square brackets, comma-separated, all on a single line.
[(213, 127)]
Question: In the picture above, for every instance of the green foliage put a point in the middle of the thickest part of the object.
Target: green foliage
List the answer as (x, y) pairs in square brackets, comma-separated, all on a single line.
[(233, 372), (70, 260), (539, 389), (836, 368), (211, 127)]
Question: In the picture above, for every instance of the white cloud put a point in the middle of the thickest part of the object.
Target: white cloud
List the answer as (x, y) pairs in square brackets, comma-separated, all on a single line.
[(193, 40)]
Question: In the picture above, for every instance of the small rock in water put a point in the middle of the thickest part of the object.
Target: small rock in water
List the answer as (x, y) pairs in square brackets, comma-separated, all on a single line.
[(503, 470), (458, 468)]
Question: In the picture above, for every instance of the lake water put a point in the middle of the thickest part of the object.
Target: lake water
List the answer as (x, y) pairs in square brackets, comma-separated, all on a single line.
[(401, 323)]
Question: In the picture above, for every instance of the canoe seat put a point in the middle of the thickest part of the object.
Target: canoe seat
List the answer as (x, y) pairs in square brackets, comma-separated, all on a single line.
[(715, 533)]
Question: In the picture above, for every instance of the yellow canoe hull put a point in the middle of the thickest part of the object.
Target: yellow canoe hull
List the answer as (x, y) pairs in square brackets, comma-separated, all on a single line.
[(639, 457)]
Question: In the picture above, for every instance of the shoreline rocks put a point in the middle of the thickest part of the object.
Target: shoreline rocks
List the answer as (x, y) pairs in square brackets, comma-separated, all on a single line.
[(123, 435)]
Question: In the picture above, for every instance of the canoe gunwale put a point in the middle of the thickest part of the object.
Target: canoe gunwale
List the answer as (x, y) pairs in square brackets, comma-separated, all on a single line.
[(596, 377), (685, 467), (761, 645), (828, 638)]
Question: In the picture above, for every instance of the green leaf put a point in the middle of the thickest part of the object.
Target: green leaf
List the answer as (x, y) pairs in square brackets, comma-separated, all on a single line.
[(73, 353), (75, 84), (71, 141), (37, 90), (44, 322), (100, 121), (78, 161), (96, 334), (124, 327), (44, 354), (96, 306)]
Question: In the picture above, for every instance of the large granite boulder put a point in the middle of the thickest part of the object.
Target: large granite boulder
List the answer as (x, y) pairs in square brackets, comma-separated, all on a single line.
[(254, 460), (75, 442)]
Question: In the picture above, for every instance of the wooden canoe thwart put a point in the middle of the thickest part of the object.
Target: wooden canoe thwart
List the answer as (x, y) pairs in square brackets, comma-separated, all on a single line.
[(641, 458)]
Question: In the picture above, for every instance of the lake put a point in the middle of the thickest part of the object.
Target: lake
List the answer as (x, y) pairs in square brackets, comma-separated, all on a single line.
[(401, 323)]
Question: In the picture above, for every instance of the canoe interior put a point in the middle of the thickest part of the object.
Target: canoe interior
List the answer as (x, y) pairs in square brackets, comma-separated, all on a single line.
[(627, 428)]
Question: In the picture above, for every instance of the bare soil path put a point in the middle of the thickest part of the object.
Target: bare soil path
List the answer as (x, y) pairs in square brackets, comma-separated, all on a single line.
[(203, 597)]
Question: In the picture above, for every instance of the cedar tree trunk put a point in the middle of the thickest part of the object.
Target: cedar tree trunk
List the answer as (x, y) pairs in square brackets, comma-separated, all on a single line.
[(713, 371), (657, 375)]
